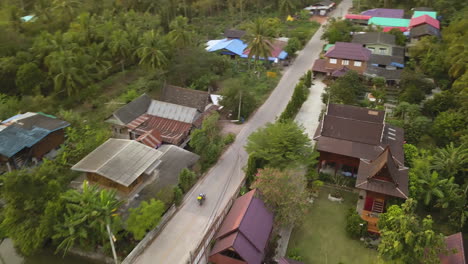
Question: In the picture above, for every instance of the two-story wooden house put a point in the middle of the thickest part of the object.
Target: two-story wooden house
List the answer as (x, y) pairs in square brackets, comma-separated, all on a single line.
[(343, 56), (356, 141)]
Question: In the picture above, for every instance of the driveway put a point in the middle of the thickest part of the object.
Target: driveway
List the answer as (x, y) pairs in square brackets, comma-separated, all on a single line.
[(312, 107), (188, 226)]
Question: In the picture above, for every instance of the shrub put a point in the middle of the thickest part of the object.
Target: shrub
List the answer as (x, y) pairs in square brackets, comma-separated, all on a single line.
[(294, 254), (186, 179), (229, 138), (294, 44), (298, 98), (144, 218), (178, 195), (355, 226)]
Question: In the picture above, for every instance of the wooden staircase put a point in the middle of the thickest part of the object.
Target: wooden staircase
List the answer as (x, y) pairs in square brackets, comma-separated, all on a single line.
[(378, 206)]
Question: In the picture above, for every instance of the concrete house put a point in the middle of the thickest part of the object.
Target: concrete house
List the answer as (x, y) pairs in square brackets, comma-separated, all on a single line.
[(321, 8), (27, 138), (342, 57), (377, 42), (244, 233)]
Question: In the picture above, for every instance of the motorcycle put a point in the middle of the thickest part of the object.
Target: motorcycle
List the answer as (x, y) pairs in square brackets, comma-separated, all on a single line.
[(201, 198)]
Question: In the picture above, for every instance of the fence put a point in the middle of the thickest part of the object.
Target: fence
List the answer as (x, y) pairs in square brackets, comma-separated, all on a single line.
[(150, 236), (200, 251)]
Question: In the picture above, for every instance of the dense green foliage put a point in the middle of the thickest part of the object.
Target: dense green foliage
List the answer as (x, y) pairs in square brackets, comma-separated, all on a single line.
[(86, 216), (284, 191), (144, 218), (406, 238), (345, 90), (301, 91), (338, 30), (356, 227), (186, 179), (280, 144)]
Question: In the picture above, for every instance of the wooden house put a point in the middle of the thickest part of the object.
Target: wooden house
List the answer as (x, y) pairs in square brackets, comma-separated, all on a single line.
[(357, 142), (341, 57), (26, 138)]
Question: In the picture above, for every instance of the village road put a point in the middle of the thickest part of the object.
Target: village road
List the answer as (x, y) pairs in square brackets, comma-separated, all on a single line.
[(188, 226)]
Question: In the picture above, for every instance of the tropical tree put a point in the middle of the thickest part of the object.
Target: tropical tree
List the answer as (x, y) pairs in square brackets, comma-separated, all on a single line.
[(151, 51), (181, 33), (451, 160), (345, 90), (145, 217), (67, 69), (207, 141), (260, 43), (285, 193), (88, 213), (281, 144), (120, 46), (406, 239), (67, 8), (287, 6)]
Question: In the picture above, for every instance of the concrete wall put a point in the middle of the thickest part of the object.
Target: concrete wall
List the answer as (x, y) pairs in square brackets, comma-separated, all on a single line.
[(375, 48), (120, 132), (339, 65)]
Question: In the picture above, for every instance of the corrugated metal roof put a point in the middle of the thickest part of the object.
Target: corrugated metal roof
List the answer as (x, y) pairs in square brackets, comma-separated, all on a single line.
[(374, 37), (350, 51), (454, 242), (14, 139), (389, 22), (384, 13), (25, 130), (236, 46), (432, 14), (172, 111), (119, 160)]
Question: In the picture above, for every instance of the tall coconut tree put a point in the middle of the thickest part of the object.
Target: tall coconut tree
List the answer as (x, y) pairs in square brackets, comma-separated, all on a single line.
[(120, 46), (260, 43), (152, 51), (450, 160)]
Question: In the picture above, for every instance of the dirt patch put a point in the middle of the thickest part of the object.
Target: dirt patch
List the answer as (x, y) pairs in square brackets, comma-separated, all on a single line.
[(228, 127), (319, 19)]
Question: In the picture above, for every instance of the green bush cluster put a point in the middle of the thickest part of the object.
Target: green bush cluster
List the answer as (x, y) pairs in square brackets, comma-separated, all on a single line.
[(356, 227), (298, 98), (186, 179)]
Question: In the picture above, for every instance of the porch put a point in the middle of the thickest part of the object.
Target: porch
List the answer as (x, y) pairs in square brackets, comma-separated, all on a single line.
[(369, 206)]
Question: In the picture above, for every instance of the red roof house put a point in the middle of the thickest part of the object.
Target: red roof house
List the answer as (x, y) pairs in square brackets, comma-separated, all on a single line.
[(244, 233), (456, 247), (424, 20)]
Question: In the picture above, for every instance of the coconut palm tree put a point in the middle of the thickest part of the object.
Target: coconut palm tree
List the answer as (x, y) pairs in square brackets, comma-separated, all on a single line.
[(433, 186), (260, 43), (151, 51), (180, 34), (287, 6), (450, 160), (120, 46)]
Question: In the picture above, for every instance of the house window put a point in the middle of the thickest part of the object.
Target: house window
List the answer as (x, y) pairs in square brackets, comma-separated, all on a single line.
[(357, 63), (371, 49), (383, 51), (345, 62), (333, 61)]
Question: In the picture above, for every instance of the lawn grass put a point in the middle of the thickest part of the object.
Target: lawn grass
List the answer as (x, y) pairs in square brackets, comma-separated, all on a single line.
[(322, 237)]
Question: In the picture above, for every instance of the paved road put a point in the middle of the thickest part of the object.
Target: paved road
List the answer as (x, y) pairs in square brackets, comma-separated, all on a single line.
[(186, 229)]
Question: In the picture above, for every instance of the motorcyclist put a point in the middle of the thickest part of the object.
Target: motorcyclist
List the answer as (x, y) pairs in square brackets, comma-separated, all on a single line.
[(201, 197)]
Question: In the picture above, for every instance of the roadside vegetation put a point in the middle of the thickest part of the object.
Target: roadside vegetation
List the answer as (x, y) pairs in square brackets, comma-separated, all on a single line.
[(81, 60)]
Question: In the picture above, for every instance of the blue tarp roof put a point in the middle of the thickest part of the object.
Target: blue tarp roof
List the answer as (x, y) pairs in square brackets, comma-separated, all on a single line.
[(235, 46), (13, 139)]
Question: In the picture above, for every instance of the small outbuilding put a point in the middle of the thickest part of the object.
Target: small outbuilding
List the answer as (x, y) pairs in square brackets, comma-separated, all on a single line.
[(244, 233)]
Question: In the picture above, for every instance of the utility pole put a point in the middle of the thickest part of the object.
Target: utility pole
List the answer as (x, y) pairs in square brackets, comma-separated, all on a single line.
[(111, 238), (240, 103)]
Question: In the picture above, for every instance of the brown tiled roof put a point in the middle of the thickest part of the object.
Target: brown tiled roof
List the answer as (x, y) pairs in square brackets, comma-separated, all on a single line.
[(340, 72), (385, 59), (234, 33), (373, 71), (372, 174), (454, 242), (352, 131), (319, 66), (186, 97)]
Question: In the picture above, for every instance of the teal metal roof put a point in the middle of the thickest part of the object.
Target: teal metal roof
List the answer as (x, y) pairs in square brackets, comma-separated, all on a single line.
[(327, 47), (389, 22), (422, 13), (14, 139)]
